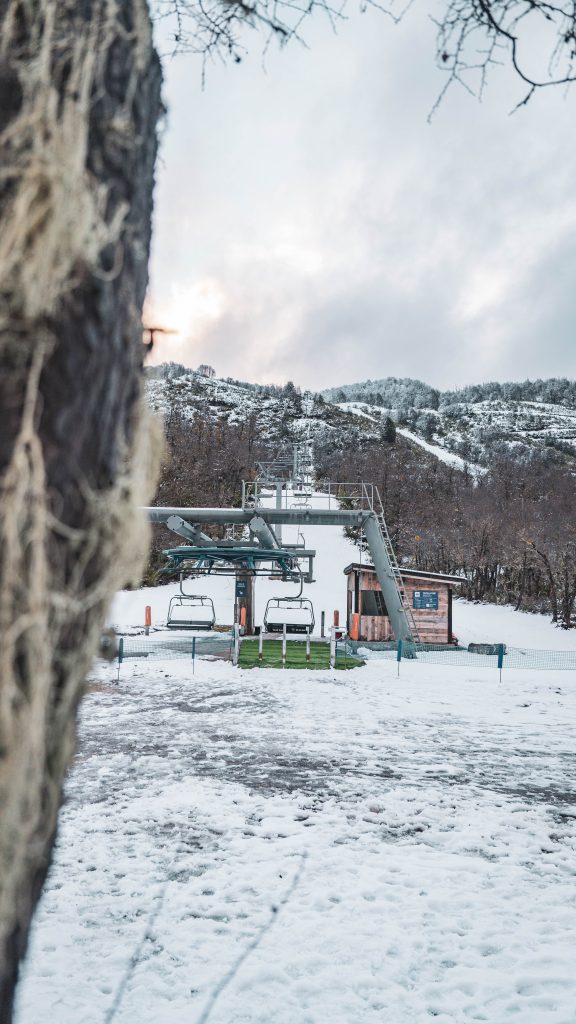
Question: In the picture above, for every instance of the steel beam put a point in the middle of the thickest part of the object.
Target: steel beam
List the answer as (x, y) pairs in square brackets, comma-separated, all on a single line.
[(366, 519), (190, 532), (272, 516), (259, 527)]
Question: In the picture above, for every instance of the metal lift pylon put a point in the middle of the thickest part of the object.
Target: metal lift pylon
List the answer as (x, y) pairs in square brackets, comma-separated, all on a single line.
[(370, 520)]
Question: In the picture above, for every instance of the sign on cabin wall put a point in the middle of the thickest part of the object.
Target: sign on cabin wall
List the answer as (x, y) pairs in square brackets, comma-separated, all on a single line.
[(425, 599)]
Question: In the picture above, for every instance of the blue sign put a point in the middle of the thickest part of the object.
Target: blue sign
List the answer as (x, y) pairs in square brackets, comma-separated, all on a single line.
[(425, 599), (241, 588)]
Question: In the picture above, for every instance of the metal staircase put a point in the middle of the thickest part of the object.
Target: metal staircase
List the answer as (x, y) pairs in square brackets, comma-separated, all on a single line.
[(372, 499)]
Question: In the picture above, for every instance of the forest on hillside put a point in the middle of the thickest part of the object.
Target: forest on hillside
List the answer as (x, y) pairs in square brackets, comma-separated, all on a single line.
[(510, 532), (406, 393)]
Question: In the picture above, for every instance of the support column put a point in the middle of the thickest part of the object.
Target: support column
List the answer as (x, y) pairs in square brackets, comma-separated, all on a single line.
[(245, 601), (279, 506), (381, 561)]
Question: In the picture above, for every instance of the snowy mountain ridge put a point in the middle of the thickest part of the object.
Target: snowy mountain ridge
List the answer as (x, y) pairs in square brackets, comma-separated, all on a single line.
[(477, 423), (473, 426)]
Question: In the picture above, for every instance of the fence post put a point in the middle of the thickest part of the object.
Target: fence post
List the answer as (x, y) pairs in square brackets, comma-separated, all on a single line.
[(322, 624), (120, 655), (236, 655), (260, 647), (307, 648), (399, 654), (193, 654), (500, 659), (284, 645), (333, 648)]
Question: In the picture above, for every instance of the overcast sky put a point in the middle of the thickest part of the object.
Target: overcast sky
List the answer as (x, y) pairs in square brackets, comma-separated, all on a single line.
[(311, 225)]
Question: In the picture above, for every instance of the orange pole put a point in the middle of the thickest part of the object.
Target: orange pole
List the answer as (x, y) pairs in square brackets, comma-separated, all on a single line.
[(148, 616), (336, 617), (243, 617)]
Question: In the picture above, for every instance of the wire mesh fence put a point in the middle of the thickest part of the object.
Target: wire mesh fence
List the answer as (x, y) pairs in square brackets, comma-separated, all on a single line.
[(498, 656), (347, 654), (217, 645), (345, 657)]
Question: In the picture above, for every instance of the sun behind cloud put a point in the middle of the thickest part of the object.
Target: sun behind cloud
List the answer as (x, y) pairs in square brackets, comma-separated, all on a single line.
[(189, 311)]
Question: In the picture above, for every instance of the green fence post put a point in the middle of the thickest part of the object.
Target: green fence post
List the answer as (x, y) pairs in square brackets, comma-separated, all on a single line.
[(399, 654), (193, 655), (500, 659), (120, 655)]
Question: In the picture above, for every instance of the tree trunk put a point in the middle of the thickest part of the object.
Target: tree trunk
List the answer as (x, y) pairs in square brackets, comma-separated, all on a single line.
[(79, 103)]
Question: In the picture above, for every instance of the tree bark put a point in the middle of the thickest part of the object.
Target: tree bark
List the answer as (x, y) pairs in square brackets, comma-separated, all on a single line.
[(79, 102)]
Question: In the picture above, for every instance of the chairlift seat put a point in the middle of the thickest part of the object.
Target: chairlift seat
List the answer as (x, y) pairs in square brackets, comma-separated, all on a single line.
[(195, 619), (296, 613)]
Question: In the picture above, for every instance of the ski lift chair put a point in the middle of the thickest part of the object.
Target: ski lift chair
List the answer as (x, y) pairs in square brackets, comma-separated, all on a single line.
[(302, 497), (296, 613), (191, 611)]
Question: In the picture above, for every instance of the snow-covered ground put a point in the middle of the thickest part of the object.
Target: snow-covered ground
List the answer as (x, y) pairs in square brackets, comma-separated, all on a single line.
[(429, 822), (476, 623), (358, 409), (283, 847)]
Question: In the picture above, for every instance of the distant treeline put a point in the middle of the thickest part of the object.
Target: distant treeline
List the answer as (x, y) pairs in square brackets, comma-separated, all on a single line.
[(170, 371), (405, 393)]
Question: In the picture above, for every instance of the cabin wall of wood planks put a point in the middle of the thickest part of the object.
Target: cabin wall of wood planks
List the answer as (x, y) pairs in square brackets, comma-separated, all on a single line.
[(433, 624)]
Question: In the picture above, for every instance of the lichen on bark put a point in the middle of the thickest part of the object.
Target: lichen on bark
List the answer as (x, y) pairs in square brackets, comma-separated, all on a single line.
[(79, 104)]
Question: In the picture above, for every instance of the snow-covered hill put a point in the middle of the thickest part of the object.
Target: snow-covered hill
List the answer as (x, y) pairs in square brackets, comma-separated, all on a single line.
[(470, 427), (279, 415), (533, 419)]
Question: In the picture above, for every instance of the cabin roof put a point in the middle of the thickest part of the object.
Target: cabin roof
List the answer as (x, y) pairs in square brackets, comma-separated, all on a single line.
[(412, 574)]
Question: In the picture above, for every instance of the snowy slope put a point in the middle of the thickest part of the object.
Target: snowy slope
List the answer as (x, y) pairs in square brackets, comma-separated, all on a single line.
[(278, 416), (453, 430), (477, 423), (441, 453), (310, 847), (478, 623)]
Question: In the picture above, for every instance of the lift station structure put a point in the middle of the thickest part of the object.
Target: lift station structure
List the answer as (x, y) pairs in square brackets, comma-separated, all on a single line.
[(253, 545)]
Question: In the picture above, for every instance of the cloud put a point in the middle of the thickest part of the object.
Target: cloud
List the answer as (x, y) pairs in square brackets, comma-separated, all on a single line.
[(311, 225)]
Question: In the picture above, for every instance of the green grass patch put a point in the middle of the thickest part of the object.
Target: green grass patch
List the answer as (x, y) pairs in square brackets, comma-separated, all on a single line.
[(295, 655)]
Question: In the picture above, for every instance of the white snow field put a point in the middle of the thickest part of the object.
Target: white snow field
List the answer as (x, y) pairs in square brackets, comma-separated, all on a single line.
[(430, 820), (328, 847)]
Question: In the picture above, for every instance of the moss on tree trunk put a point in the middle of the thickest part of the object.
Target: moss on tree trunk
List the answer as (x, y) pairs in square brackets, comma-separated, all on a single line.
[(79, 102)]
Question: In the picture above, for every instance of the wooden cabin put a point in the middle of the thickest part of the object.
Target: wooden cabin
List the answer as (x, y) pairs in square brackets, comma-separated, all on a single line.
[(429, 595)]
